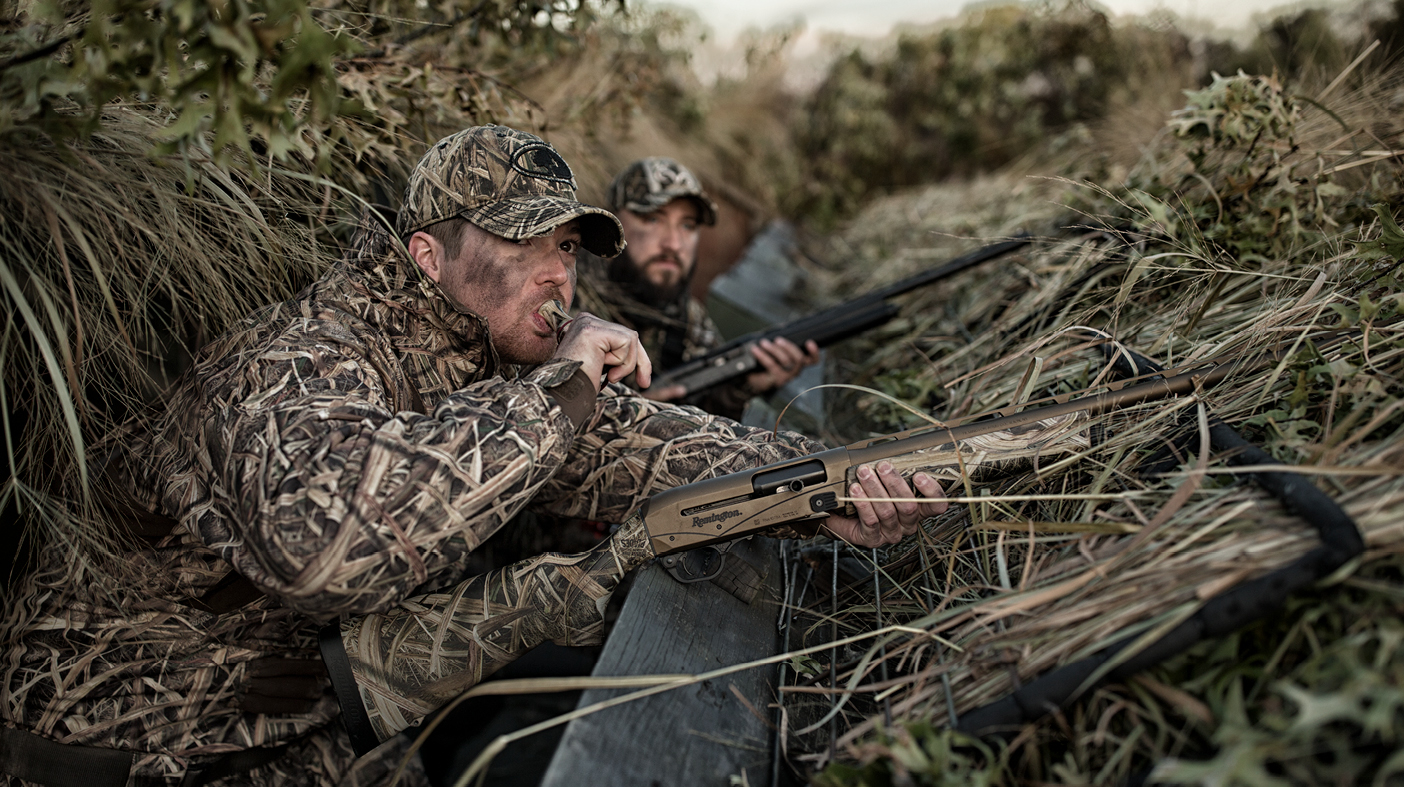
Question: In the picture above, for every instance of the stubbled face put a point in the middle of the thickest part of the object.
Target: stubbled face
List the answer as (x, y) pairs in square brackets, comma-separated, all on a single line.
[(662, 246), (506, 283)]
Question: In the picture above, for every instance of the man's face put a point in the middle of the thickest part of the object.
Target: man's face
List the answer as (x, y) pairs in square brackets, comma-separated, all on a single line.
[(662, 246), (506, 282)]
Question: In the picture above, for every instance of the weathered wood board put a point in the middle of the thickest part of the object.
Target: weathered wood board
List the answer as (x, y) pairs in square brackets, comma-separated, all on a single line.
[(697, 735)]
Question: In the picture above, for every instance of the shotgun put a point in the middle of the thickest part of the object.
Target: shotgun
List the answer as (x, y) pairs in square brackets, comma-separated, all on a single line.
[(836, 323), (389, 670)]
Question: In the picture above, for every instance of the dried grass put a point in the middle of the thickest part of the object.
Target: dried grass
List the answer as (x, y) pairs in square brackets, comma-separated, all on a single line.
[(1008, 589), (113, 263)]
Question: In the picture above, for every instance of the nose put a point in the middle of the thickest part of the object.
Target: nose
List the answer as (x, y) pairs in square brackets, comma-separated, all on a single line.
[(557, 270), (671, 239)]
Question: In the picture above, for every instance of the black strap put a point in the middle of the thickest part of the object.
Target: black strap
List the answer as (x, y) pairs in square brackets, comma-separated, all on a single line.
[(232, 592), (576, 397), (32, 758), (353, 711), (232, 763)]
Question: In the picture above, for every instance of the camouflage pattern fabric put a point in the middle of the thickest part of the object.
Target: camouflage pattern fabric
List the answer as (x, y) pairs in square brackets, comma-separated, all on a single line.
[(672, 334), (422, 654), (343, 451), (651, 183), (507, 182)]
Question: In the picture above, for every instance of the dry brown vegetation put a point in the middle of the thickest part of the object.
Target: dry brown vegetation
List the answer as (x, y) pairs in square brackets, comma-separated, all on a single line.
[(1245, 225), (1242, 220)]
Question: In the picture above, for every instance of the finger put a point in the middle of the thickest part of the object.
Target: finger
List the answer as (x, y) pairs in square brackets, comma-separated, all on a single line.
[(789, 354), (618, 357), (875, 487), (852, 531), (884, 510), (868, 520), (783, 361), (930, 488), (644, 368), (896, 519), (811, 353), (626, 353), (764, 351), (908, 511), (791, 360), (786, 348), (620, 364)]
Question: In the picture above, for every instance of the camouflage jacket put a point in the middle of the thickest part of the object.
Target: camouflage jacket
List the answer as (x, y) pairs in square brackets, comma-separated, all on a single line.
[(672, 334), (343, 451)]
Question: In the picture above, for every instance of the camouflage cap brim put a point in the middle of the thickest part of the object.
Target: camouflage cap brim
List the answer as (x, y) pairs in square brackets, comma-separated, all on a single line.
[(649, 184), (529, 217), (706, 209)]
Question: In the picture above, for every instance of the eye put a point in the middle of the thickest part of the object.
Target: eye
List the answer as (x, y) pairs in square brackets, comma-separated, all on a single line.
[(570, 245)]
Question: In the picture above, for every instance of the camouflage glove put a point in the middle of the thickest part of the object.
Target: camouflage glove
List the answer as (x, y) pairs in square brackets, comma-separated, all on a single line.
[(391, 669)]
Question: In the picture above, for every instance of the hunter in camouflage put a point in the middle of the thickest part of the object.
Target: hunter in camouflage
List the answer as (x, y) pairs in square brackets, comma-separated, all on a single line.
[(336, 456), (661, 205)]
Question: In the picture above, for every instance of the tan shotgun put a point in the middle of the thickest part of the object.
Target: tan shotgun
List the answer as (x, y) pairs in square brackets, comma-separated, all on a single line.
[(391, 669)]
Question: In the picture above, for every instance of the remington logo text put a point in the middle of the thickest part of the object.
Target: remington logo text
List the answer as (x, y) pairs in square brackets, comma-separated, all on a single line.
[(719, 517)]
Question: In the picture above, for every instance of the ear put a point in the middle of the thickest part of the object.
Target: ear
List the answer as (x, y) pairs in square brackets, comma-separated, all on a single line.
[(428, 254)]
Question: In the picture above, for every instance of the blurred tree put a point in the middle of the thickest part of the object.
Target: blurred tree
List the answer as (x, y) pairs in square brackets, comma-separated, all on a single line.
[(1389, 30), (959, 101), (1294, 45)]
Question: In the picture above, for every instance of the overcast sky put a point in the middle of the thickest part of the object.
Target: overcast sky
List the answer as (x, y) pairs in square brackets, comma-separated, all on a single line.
[(877, 17)]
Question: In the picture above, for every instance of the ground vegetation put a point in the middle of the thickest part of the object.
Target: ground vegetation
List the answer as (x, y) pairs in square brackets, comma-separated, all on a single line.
[(1263, 212), (170, 165)]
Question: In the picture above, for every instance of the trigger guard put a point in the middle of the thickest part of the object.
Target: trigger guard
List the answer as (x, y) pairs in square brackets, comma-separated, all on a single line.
[(678, 568)]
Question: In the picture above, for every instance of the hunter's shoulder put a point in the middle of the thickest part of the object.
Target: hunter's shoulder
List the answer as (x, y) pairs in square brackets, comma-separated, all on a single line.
[(697, 313), (303, 344), (307, 321)]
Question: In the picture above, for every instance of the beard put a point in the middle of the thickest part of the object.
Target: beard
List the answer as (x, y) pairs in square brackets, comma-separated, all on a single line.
[(624, 272)]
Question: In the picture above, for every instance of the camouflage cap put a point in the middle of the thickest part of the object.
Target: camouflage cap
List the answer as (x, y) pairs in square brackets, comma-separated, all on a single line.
[(508, 182), (649, 184)]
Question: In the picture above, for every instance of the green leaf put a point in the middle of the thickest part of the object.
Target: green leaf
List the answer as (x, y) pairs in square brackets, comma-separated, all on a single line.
[(805, 666)]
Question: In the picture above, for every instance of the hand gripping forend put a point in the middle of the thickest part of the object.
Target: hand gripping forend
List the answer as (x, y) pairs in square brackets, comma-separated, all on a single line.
[(391, 669)]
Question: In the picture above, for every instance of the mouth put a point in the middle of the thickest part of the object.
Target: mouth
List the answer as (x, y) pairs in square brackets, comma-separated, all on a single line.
[(551, 316)]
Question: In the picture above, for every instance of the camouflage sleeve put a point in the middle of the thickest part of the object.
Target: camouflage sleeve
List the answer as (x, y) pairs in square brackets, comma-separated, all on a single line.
[(334, 504), (635, 447)]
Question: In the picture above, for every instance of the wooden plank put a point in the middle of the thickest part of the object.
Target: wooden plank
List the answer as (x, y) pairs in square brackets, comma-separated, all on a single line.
[(697, 735)]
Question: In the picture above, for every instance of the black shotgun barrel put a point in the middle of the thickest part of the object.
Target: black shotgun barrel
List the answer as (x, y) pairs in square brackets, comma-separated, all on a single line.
[(834, 324)]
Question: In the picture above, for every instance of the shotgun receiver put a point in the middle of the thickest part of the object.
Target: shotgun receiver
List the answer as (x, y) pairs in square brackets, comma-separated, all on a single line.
[(836, 323), (391, 669)]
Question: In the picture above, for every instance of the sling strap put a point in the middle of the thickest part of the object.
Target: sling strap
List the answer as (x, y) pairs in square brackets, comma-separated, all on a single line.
[(32, 758)]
